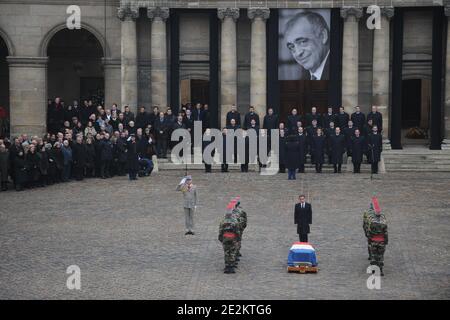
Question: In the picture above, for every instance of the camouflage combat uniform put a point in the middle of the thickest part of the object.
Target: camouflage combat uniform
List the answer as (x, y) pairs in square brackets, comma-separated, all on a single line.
[(241, 217), (366, 216), (229, 233), (378, 235)]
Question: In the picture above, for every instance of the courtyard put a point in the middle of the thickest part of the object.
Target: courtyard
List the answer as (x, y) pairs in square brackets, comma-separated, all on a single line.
[(128, 238)]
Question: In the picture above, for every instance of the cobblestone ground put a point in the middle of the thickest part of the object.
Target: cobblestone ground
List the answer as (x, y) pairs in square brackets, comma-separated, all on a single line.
[(128, 238)]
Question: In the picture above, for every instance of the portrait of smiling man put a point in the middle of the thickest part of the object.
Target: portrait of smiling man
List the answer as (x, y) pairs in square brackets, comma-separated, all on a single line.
[(307, 37)]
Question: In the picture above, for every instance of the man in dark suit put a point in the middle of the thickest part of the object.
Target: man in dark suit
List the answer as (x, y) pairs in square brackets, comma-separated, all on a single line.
[(337, 144), (251, 115), (375, 147), (270, 121), (233, 114), (303, 218), (308, 39), (376, 117), (358, 118)]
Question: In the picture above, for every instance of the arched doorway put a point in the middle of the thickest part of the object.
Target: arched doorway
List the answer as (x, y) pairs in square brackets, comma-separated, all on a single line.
[(75, 69), (4, 89)]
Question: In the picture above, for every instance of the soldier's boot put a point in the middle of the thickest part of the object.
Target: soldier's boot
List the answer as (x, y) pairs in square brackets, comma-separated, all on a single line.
[(237, 258), (226, 270), (232, 270)]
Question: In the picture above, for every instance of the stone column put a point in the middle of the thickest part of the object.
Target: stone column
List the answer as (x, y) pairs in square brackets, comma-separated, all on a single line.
[(158, 55), (350, 59), (28, 95), (129, 89), (258, 62), (228, 61), (112, 69), (380, 74), (446, 142)]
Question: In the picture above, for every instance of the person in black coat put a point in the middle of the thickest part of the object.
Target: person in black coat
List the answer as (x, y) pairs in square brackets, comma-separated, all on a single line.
[(56, 163), (270, 121), (377, 118), (90, 158), (121, 155), (282, 148), (224, 165), (358, 118), (292, 121), (20, 171), (349, 133), (342, 118), (292, 154), (303, 149), (303, 218), (375, 147), (337, 145), (207, 141), (32, 163), (358, 147), (311, 131), (328, 117), (251, 115), (106, 157), (79, 158), (233, 114), (313, 116), (318, 149), (162, 135), (142, 118), (132, 158)]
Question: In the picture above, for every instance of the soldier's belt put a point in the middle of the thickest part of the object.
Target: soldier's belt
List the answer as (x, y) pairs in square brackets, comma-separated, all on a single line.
[(229, 235)]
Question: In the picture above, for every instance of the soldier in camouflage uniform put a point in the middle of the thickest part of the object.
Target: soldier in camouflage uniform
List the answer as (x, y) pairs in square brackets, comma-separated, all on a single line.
[(241, 216), (366, 216), (229, 233), (377, 235)]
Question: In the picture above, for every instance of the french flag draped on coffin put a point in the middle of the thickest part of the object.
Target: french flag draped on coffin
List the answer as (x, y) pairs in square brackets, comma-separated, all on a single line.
[(302, 253)]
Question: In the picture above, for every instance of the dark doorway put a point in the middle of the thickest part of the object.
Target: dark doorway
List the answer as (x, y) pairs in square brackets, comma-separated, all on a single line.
[(199, 91), (411, 103), (75, 69), (303, 95), (93, 88), (4, 90)]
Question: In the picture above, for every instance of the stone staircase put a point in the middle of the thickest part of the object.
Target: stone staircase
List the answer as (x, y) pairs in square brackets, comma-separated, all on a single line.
[(411, 158), (417, 158)]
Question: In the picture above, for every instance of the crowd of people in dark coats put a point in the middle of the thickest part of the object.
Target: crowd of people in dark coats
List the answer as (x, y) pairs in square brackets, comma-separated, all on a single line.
[(317, 135), (92, 141)]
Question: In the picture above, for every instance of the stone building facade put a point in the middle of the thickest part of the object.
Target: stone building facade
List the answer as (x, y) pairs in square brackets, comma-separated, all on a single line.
[(165, 53)]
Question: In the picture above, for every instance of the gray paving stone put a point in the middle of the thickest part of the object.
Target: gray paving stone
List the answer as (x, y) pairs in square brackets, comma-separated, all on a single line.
[(128, 238)]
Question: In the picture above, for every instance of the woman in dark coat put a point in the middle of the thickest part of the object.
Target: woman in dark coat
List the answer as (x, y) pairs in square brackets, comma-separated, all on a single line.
[(56, 163), (90, 158), (106, 157), (79, 158), (44, 164), (318, 149), (32, 163), (292, 153), (20, 170), (132, 158)]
